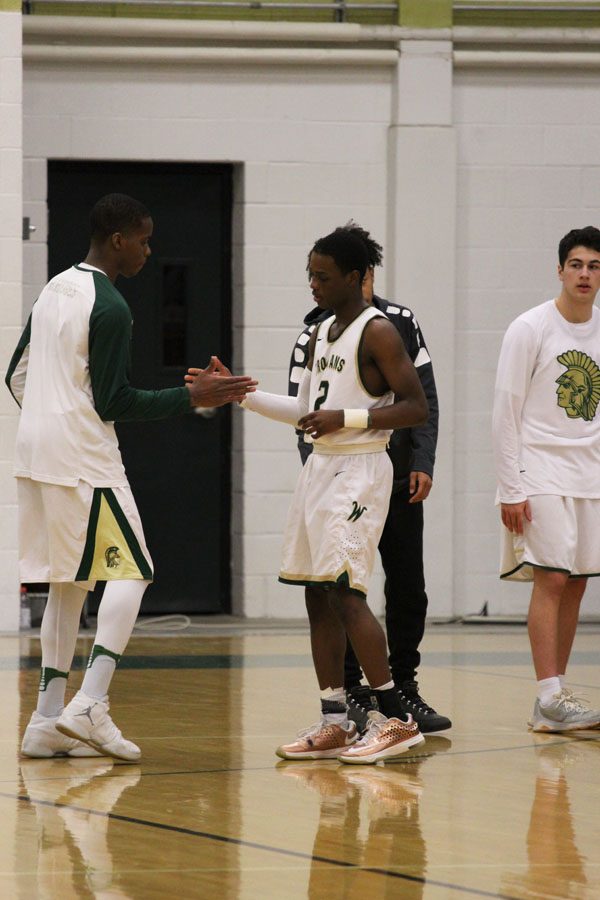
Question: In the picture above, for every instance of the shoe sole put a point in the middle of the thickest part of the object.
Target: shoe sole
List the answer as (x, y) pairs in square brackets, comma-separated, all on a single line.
[(314, 754), (425, 730), (390, 753), (329, 754), (102, 750), (39, 754), (64, 754), (548, 727)]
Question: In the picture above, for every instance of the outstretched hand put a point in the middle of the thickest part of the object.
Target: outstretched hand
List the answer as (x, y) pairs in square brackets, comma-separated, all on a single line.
[(216, 386)]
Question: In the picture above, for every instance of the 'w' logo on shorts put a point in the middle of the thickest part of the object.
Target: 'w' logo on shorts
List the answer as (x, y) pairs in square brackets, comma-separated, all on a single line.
[(356, 513)]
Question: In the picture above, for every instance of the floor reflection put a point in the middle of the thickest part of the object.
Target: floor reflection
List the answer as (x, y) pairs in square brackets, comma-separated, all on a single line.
[(504, 814), (368, 822), (555, 868), (72, 799)]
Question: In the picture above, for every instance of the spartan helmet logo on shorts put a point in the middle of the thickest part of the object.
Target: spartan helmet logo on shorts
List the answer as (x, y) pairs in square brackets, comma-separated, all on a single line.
[(579, 387), (111, 555)]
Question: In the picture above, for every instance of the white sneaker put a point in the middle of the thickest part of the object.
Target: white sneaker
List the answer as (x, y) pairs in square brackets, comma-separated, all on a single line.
[(565, 712), (42, 741), (87, 720)]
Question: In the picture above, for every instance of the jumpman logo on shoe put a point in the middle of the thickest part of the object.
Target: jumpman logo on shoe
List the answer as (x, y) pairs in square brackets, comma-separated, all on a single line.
[(87, 712)]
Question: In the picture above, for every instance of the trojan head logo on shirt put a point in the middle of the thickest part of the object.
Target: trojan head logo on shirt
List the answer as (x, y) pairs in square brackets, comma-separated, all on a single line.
[(113, 560), (578, 389)]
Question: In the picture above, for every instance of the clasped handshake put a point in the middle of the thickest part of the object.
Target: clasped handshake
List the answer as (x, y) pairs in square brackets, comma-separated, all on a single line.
[(216, 386)]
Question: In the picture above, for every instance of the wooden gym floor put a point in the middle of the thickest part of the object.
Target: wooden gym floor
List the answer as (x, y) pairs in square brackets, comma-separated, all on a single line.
[(486, 809)]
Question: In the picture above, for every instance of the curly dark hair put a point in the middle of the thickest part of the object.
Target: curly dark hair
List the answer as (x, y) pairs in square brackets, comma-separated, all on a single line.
[(374, 249), (346, 249)]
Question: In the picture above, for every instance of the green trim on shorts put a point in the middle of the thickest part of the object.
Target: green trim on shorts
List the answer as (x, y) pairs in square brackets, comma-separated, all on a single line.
[(342, 581), (87, 559), (132, 542), (547, 569), (90, 539)]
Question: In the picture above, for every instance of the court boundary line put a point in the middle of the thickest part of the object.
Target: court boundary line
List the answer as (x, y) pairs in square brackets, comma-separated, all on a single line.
[(408, 760), (254, 845)]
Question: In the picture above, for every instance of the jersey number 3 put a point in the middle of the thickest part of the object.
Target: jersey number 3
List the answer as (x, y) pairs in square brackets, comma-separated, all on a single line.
[(323, 391)]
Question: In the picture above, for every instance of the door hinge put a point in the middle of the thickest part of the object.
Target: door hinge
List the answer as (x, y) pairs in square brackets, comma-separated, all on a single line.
[(28, 228)]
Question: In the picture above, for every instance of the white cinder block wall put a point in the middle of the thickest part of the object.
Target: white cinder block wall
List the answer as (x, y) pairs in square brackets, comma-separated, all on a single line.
[(310, 149), (314, 145), (10, 298), (529, 171)]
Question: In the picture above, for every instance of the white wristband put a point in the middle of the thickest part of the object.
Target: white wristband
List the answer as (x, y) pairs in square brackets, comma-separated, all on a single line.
[(356, 418)]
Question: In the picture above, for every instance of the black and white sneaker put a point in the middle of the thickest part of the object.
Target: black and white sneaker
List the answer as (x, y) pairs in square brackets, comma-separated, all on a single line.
[(360, 702), (424, 715)]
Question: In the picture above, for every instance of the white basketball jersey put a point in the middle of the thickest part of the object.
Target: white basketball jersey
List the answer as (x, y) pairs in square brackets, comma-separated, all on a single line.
[(336, 384)]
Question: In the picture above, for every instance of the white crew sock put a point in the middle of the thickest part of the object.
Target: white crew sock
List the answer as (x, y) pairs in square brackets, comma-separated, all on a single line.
[(388, 686), (547, 689), (117, 613), (51, 698), (332, 699), (99, 673)]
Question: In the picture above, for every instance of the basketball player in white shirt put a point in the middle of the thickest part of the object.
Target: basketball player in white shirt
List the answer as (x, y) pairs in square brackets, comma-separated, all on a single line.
[(546, 435), (359, 386)]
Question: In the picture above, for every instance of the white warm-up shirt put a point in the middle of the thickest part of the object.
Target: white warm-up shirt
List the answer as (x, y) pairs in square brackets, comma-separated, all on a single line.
[(70, 375), (546, 427)]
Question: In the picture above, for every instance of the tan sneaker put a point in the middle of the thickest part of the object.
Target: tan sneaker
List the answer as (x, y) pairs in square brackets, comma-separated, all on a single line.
[(320, 741), (384, 739)]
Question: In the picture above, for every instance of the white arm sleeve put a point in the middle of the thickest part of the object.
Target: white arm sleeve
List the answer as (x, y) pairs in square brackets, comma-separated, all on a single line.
[(280, 407), (515, 368)]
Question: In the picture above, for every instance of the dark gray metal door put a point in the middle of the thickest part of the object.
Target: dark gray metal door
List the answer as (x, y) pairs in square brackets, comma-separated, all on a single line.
[(179, 469)]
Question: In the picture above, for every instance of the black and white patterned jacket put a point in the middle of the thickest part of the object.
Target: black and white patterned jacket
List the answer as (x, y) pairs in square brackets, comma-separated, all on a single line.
[(411, 449)]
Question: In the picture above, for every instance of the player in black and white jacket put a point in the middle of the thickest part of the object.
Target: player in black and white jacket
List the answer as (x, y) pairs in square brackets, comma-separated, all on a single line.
[(412, 451)]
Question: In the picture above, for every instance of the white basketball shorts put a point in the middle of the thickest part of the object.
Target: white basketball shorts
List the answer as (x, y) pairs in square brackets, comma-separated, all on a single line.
[(562, 536), (80, 534), (336, 519)]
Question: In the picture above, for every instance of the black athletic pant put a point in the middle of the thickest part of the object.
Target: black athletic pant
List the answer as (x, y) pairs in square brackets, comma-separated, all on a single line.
[(401, 549)]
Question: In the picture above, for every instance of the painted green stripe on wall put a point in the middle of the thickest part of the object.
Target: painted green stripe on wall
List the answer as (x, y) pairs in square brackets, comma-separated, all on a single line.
[(425, 13), (527, 18), (216, 12), (10, 5)]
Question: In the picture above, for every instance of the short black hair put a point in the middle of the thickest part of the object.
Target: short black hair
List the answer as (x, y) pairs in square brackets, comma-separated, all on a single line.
[(116, 212), (346, 249), (579, 237), (374, 249)]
